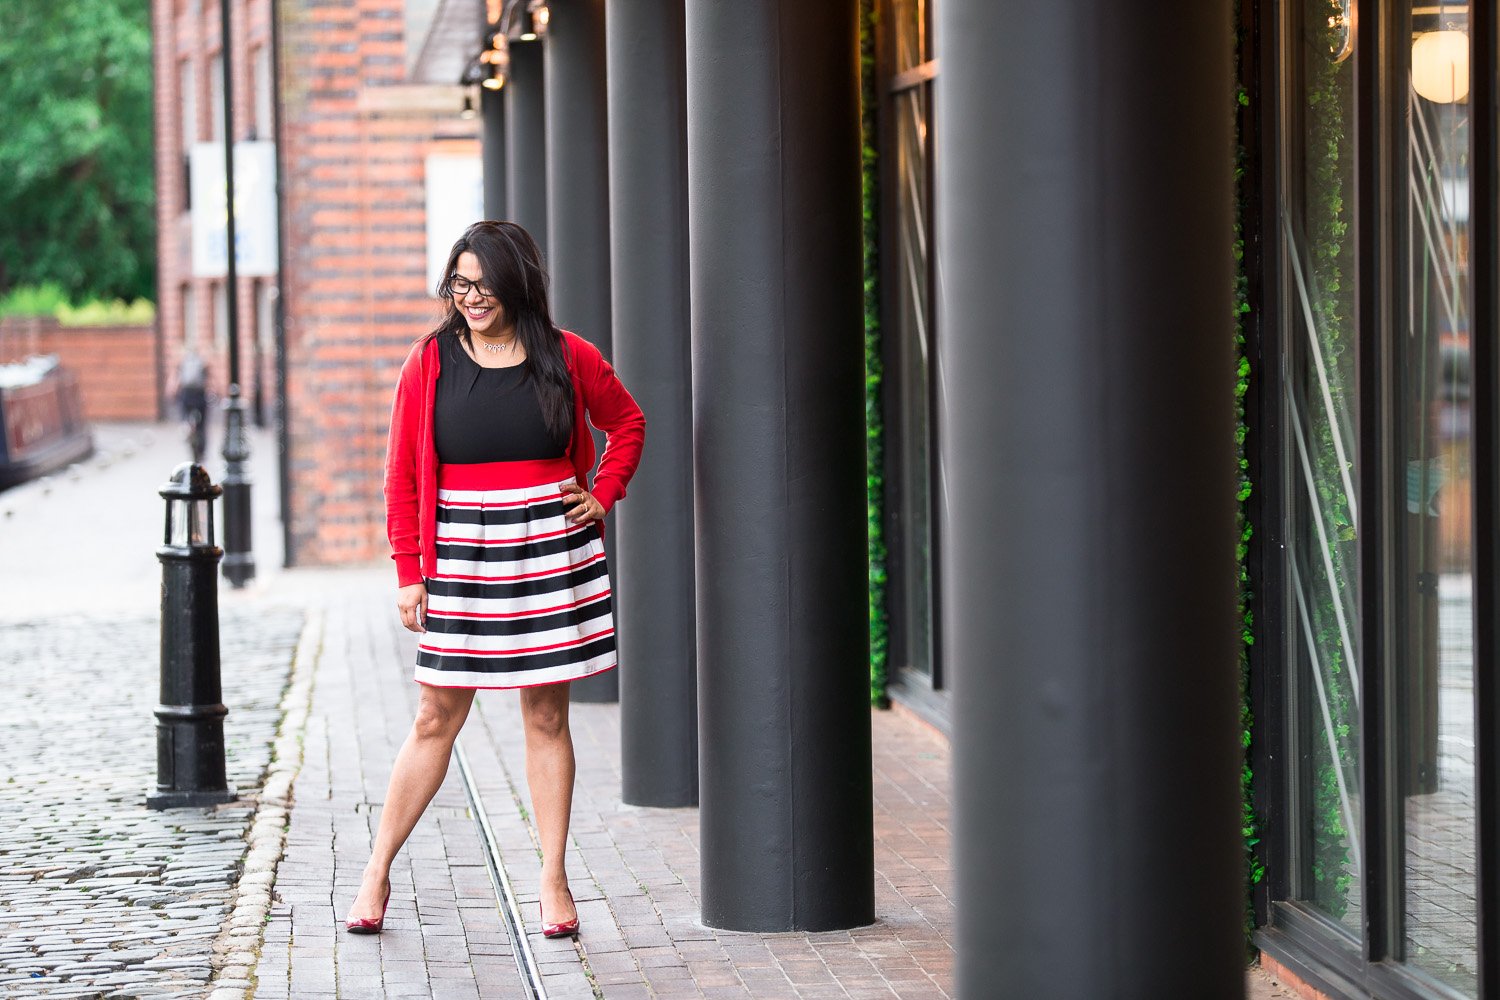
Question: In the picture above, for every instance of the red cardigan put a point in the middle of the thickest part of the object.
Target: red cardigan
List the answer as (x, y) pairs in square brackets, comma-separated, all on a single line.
[(411, 460)]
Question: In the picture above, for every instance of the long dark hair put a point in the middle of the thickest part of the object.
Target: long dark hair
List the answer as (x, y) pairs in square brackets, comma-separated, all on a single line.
[(511, 264)]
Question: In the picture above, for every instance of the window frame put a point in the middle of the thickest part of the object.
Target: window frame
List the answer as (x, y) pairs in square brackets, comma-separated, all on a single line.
[(925, 692), (1307, 942)]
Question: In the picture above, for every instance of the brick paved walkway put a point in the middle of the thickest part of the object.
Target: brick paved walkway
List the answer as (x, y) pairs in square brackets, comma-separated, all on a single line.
[(634, 871), (443, 938)]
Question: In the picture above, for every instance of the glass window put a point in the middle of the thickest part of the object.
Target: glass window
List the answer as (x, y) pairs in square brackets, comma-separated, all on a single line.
[(187, 88), (1435, 584), (189, 317), (216, 96), (908, 269), (911, 28), (264, 127), (1320, 465), (221, 317), (913, 330)]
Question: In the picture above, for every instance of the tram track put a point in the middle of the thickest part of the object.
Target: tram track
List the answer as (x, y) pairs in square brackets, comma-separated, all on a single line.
[(505, 894)]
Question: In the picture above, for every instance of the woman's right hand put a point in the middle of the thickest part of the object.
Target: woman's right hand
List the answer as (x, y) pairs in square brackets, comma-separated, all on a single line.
[(412, 602)]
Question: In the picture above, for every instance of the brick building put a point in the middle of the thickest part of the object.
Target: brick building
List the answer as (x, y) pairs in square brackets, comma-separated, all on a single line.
[(365, 99)]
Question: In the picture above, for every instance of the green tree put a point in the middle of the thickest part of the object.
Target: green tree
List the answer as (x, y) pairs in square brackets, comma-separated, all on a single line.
[(76, 188)]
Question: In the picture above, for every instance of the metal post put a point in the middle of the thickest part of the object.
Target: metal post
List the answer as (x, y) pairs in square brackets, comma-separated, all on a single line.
[(649, 277), (492, 151), (578, 203), (1087, 448), (190, 717), (525, 140), (283, 428), (239, 560), (779, 458)]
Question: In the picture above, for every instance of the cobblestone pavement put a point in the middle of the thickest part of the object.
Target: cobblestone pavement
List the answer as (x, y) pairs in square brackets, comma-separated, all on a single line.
[(100, 896)]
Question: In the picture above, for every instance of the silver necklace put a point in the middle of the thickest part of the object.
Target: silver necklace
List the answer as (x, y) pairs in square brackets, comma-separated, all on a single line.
[(496, 348)]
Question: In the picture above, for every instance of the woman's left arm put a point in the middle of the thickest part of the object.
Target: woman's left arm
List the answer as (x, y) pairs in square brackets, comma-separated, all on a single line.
[(614, 411)]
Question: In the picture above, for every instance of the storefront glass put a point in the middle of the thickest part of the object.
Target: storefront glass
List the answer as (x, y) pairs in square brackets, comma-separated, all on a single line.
[(1435, 675), (909, 332), (1321, 470)]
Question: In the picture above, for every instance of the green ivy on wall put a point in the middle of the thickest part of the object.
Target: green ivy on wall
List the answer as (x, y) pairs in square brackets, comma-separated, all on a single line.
[(1255, 870), (1328, 255), (874, 428)]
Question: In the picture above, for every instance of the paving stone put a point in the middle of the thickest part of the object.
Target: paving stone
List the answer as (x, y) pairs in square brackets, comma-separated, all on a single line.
[(79, 844)]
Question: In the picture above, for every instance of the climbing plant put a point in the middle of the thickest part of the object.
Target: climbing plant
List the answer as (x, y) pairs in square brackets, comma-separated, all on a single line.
[(874, 428), (1255, 870), (1327, 253)]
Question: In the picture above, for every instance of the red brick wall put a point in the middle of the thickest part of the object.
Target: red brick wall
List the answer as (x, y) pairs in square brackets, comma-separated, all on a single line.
[(115, 365), (186, 34), (356, 142), (355, 139)]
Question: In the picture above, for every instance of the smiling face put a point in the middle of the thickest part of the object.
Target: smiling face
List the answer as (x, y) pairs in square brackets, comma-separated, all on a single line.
[(477, 303)]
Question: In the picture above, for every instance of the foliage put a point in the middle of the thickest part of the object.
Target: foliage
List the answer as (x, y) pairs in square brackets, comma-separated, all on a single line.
[(33, 300), (51, 300), (1255, 869), (116, 312), (76, 148), (1329, 255), (874, 430)]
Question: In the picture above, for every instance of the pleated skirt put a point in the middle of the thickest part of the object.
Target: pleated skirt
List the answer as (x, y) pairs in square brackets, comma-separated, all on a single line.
[(521, 595)]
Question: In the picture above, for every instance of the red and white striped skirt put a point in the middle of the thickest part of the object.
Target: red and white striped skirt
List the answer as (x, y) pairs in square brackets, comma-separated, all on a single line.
[(521, 595)]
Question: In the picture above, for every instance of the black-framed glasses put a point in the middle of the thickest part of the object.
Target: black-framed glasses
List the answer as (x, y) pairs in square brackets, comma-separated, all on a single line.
[(458, 286)]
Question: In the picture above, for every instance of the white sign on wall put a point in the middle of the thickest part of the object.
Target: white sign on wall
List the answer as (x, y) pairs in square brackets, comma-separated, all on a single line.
[(254, 209), (455, 200)]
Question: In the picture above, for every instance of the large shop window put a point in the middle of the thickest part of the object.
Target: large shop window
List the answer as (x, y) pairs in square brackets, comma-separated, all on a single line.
[(1377, 799), (908, 70)]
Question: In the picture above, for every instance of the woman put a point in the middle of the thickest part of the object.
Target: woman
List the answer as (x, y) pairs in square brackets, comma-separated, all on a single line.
[(492, 523)]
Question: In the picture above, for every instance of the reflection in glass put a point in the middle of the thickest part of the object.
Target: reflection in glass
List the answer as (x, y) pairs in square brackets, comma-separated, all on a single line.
[(913, 507), (1320, 473), (1436, 672), (910, 28)]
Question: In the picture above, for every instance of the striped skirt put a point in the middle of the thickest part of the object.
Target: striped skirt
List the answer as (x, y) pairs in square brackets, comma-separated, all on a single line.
[(521, 594)]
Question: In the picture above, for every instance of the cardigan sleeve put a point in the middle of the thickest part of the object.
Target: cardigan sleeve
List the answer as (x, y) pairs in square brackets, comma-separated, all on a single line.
[(402, 474), (614, 411)]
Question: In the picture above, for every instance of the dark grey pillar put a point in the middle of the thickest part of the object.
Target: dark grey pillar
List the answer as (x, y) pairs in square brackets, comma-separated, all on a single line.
[(779, 495), (649, 278), (1086, 441), (492, 152), (578, 202), (525, 141)]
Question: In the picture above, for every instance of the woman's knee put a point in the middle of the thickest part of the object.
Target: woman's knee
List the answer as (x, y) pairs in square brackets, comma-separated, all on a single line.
[(440, 715), (546, 712)]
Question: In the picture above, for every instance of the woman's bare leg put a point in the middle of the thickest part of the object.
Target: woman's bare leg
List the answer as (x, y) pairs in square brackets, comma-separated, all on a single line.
[(549, 774), (418, 773)]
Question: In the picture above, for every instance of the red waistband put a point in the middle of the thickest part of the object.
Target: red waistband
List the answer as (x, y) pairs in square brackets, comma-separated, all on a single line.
[(505, 475)]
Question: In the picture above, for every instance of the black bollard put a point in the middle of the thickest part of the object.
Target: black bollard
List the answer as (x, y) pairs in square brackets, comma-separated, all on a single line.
[(190, 718)]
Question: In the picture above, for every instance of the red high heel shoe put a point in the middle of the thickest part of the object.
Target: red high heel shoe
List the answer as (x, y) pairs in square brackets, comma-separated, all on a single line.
[(568, 928), (371, 925)]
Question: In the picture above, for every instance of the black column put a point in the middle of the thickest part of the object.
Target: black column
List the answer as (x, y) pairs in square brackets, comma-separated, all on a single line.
[(578, 203), (525, 141), (779, 495), (492, 152), (649, 278), (1087, 445)]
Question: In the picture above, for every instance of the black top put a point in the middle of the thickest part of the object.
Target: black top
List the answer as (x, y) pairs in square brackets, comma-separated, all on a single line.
[(488, 414)]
